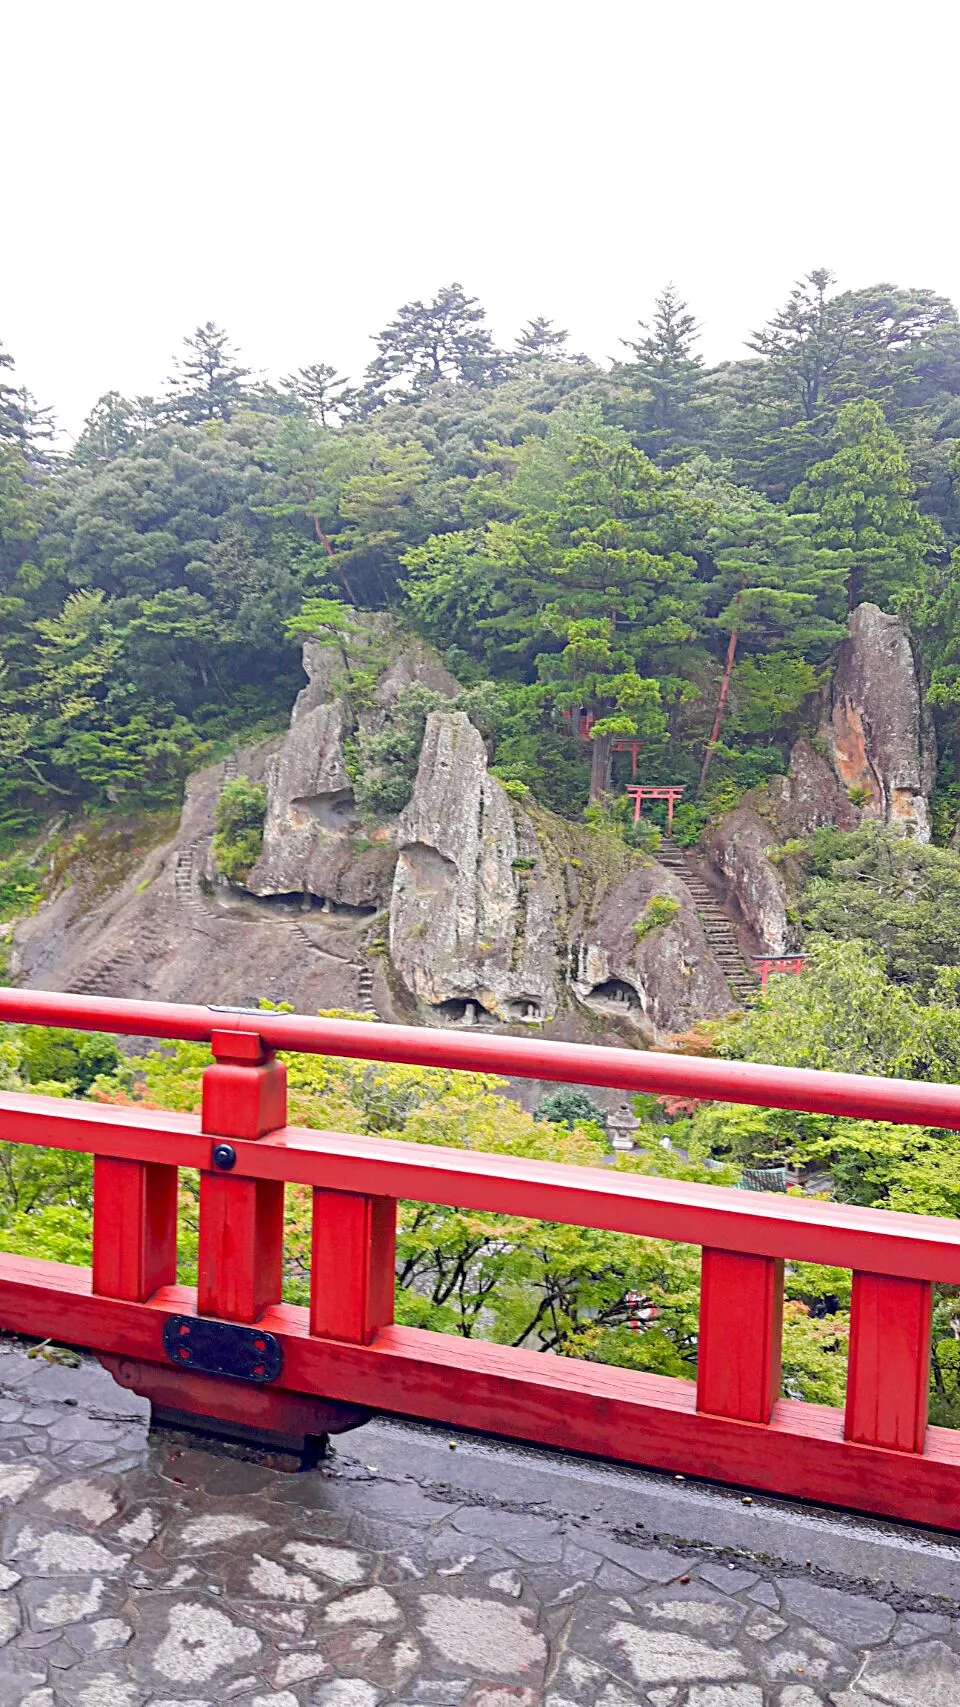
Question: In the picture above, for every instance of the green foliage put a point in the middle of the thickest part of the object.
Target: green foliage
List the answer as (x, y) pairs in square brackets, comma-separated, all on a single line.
[(240, 813), (892, 891), (20, 887), (660, 910), (569, 1106), (74, 1058)]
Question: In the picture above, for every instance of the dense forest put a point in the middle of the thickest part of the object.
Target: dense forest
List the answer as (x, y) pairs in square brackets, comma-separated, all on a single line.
[(669, 547)]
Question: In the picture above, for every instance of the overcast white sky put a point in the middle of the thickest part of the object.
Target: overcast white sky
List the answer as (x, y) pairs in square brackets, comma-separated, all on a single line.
[(295, 171)]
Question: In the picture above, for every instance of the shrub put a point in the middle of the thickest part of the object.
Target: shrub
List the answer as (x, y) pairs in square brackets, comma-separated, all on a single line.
[(659, 911), (569, 1107), (241, 810)]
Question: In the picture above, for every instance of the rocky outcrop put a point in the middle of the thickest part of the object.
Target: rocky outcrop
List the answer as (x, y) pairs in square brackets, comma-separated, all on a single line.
[(878, 728), (809, 796), (738, 851), (665, 980), (314, 842), (876, 744), (472, 915), (504, 914)]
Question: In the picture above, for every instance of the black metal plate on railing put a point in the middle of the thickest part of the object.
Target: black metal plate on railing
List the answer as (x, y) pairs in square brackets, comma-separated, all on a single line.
[(222, 1348)]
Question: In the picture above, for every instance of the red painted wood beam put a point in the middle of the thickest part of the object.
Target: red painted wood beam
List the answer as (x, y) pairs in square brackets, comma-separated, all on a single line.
[(904, 1100), (560, 1402), (880, 1241)]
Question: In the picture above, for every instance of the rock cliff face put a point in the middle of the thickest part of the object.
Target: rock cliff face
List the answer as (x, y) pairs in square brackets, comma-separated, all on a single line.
[(313, 841), (662, 983), (472, 912), (471, 906), (809, 796), (755, 890), (496, 915), (876, 742), (878, 727)]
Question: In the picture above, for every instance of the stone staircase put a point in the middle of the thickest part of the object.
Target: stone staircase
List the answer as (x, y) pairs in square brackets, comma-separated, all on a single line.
[(718, 930), (365, 991)]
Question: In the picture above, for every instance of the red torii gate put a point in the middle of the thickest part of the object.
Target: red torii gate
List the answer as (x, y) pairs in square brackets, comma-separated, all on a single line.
[(670, 792), (767, 963), (623, 744)]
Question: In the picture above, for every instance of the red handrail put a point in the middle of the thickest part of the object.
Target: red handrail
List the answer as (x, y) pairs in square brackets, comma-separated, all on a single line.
[(878, 1454), (906, 1101)]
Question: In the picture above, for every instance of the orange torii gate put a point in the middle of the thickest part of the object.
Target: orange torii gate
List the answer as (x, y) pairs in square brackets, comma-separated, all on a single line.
[(671, 792), (764, 964)]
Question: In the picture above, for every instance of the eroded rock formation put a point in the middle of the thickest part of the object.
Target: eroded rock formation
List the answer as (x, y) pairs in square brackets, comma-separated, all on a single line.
[(472, 914), (878, 727), (309, 844), (499, 912)]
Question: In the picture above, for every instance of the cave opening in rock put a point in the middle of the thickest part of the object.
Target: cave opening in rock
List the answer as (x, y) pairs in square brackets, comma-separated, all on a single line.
[(614, 995), (299, 901), (527, 1009), (463, 1010), (334, 811)]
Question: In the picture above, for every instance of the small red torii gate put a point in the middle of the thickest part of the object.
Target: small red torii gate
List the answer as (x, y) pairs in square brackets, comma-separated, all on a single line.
[(623, 744), (671, 792), (764, 964)]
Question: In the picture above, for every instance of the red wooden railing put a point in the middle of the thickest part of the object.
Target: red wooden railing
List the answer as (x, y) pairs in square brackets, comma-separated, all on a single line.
[(878, 1455)]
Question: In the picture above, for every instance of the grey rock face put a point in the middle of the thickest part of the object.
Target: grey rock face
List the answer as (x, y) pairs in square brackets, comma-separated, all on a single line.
[(483, 905), (879, 730), (738, 852), (472, 915), (810, 795), (664, 982), (311, 812)]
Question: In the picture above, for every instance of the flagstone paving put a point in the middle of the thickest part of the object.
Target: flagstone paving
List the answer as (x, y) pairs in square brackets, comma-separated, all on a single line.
[(150, 1571)]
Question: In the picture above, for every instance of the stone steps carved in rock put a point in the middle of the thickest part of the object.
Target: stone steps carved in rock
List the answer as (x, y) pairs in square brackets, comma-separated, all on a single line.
[(719, 932)]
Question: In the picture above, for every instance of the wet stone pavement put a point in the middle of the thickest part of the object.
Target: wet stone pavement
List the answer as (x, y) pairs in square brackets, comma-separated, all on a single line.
[(151, 1570)]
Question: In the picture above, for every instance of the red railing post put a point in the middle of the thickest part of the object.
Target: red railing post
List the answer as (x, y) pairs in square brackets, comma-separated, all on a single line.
[(888, 1372), (240, 1260), (134, 1228), (741, 1334), (353, 1265)]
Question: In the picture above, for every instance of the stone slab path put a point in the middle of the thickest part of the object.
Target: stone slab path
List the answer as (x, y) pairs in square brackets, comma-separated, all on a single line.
[(148, 1571)]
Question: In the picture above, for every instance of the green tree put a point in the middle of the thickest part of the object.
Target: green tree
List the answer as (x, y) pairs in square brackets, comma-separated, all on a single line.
[(207, 384), (540, 340), (238, 822), (862, 501), (666, 368), (322, 391), (107, 432), (428, 342)]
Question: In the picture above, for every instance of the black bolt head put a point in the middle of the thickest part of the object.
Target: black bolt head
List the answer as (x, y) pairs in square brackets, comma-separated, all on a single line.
[(224, 1157)]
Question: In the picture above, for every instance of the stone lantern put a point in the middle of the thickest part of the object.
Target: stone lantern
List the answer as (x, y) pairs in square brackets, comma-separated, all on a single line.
[(622, 1123)]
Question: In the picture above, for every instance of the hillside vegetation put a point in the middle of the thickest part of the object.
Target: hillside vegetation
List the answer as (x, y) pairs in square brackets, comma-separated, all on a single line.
[(668, 547)]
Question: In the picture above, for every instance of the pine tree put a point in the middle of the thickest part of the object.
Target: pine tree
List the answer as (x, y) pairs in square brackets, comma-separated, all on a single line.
[(539, 341), (445, 339), (11, 413), (107, 432), (666, 367), (207, 384), (324, 393), (863, 502)]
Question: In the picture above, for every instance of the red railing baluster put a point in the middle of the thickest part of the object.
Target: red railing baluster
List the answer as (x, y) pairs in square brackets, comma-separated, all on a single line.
[(352, 1275), (240, 1259), (741, 1332), (134, 1227), (888, 1372)]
